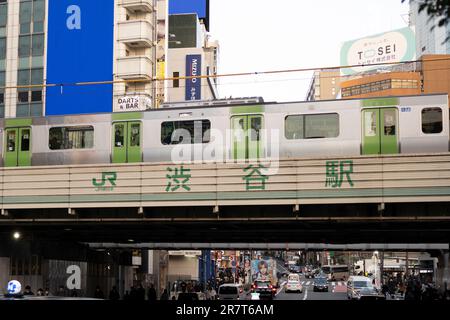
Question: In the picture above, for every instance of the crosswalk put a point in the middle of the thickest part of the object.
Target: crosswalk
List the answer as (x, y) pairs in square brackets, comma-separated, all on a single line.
[(333, 283)]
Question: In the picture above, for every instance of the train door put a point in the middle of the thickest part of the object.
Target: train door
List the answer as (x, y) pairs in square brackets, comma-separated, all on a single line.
[(127, 146), (380, 131), (17, 147), (247, 136)]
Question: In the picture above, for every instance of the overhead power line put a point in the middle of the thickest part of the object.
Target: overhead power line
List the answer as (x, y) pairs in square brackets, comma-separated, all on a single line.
[(155, 79)]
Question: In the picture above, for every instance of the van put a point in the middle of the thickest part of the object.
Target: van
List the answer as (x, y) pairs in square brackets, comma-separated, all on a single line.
[(229, 291), (361, 288)]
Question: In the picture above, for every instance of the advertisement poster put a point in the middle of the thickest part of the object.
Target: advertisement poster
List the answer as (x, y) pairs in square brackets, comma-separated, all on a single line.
[(264, 270)]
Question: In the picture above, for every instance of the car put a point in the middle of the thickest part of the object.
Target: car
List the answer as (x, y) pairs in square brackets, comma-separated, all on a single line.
[(320, 284), (310, 273), (294, 269), (293, 284), (265, 289), (361, 288), (229, 291)]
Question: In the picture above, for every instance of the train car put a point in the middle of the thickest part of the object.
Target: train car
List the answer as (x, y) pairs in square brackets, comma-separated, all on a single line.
[(393, 125)]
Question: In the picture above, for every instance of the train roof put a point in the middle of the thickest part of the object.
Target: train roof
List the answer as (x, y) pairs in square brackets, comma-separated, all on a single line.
[(250, 102)]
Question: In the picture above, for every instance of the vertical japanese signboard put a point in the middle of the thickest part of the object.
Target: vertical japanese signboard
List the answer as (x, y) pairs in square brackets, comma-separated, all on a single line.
[(193, 85)]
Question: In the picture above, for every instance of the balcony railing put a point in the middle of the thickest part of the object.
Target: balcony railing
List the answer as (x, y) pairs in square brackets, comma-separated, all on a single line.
[(136, 33), (138, 5), (135, 67)]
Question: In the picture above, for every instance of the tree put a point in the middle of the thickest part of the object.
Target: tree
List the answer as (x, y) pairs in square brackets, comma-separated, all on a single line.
[(436, 9)]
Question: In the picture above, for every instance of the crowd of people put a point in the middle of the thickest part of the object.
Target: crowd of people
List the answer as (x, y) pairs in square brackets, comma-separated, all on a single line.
[(413, 288)]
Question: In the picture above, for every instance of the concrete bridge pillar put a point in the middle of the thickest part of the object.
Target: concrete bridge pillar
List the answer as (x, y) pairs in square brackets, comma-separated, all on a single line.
[(443, 271)]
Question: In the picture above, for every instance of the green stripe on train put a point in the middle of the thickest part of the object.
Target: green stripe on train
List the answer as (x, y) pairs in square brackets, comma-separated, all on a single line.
[(126, 116), (380, 102), (21, 122), (247, 109)]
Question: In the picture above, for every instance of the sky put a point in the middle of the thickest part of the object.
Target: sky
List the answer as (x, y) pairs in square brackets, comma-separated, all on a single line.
[(266, 35)]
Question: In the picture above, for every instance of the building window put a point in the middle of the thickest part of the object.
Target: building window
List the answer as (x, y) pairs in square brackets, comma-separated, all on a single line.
[(432, 120), (176, 82), (31, 52), (185, 132), (71, 138)]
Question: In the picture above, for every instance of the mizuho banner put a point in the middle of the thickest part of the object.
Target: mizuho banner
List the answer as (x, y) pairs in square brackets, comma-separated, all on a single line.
[(394, 46), (194, 85)]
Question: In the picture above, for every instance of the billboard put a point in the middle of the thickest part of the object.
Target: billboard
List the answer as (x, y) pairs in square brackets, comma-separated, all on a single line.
[(264, 270), (193, 68), (393, 46), (79, 49)]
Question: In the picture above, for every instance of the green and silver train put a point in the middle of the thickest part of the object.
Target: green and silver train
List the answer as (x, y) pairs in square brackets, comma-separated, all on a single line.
[(409, 124)]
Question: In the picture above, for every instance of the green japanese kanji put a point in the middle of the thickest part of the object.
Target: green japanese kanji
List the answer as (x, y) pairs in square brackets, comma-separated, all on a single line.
[(335, 172), (178, 179), (255, 180)]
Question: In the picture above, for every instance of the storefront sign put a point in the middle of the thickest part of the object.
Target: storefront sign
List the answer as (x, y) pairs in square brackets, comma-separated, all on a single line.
[(185, 253), (132, 103)]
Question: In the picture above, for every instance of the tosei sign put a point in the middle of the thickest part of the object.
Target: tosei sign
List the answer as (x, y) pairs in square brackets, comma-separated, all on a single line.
[(394, 46), (194, 85)]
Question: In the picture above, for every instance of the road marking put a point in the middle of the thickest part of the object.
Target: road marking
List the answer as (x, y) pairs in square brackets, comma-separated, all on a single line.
[(307, 283), (281, 288), (306, 294), (333, 283)]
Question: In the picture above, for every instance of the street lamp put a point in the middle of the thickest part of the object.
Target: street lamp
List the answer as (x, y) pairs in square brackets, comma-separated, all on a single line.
[(16, 235)]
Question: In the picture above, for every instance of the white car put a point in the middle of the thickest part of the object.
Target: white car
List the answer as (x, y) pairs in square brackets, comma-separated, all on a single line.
[(293, 283)]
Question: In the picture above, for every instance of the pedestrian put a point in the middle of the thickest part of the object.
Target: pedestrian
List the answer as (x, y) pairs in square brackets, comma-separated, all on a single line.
[(114, 294), (140, 293), (74, 293), (126, 295), (164, 296), (61, 291), (152, 293), (133, 294), (28, 291), (99, 293), (184, 296)]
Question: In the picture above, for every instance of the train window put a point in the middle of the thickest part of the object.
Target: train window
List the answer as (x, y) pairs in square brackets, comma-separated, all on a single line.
[(432, 120), (321, 126), (293, 127), (255, 129), (119, 135), (312, 126), (185, 132), (389, 122), (11, 140), (25, 143), (63, 138), (370, 123), (135, 135)]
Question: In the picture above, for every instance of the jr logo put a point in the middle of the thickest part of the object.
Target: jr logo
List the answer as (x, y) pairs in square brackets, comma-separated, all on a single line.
[(74, 19), (106, 176)]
